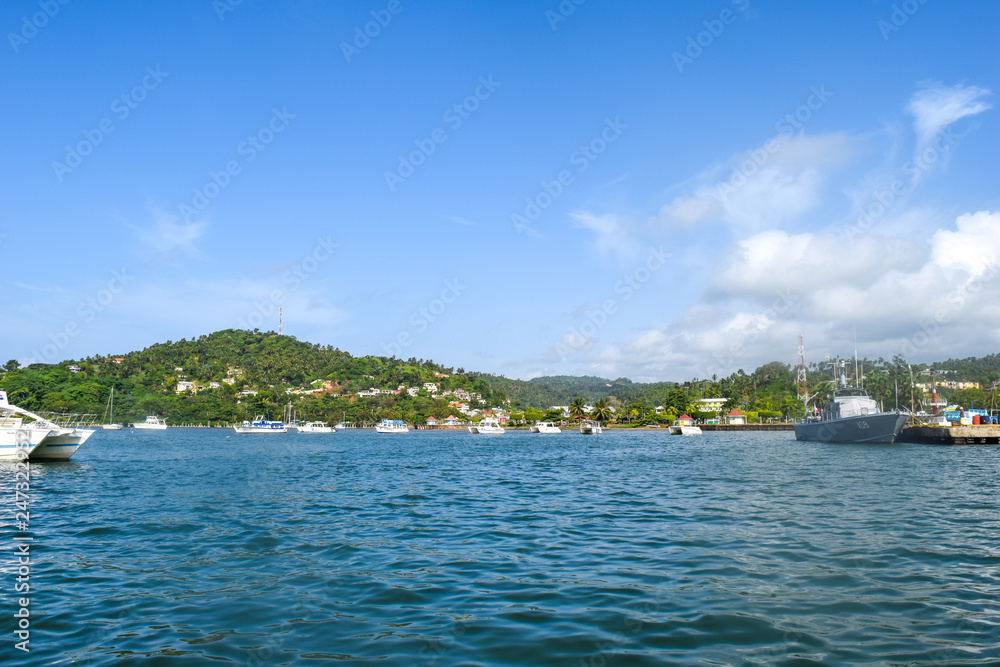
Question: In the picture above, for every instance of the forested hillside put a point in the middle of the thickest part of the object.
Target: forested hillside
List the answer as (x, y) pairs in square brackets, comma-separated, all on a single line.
[(233, 375), (237, 361)]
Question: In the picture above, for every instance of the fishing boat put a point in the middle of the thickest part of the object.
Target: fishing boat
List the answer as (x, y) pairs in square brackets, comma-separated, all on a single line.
[(109, 414), (850, 415), (589, 427), (260, 425), (545, 427), (152, 423), (391, 426), (487, 426)]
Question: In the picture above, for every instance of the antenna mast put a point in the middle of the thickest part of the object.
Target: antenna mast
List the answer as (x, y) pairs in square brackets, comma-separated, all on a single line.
[(279, 320), (803, 387)]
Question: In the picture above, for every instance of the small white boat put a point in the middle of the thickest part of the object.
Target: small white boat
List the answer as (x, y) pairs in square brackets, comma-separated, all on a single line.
[(18, 439), (683, 428), (487, 426), (545, 427), (391, 426), (314, 427), (109, 414), (20, 442), (590, 428), (54, 437), (260, 425), (152, 423)]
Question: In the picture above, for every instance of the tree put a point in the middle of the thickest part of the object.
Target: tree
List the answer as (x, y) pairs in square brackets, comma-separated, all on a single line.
[(11, 365), (601, 411), (576, 410), (972, 397)]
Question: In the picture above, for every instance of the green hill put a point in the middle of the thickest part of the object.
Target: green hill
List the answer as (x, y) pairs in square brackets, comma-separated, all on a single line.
[(234, 375), (222, 365)]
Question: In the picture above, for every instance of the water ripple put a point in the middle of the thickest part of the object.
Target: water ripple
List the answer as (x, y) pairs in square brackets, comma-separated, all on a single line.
[(438, 548)]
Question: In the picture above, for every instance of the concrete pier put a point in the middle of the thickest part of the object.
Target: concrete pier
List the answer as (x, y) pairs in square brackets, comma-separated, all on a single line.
[(953, 435), (745, 427)]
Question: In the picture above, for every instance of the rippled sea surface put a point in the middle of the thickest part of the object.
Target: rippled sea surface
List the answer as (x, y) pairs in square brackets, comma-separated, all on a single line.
[(197, 546)]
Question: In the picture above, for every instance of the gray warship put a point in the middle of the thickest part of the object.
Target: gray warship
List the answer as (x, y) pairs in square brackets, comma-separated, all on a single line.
[(851, 416)]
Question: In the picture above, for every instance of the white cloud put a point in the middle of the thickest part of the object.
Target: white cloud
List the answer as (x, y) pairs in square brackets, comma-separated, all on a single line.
[(924, 301), (769, 184), (168, 235), (937, 106), (774, 261), (611, 232), (973, 246)]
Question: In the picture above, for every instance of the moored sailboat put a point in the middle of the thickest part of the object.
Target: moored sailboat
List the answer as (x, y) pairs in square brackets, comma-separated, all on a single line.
[(109, 414)]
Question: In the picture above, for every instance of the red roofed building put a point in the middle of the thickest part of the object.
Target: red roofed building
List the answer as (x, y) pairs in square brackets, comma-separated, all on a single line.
[(685, 420), (736, 417)]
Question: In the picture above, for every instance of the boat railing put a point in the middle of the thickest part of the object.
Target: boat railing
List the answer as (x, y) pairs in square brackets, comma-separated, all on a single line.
[(70, 420)]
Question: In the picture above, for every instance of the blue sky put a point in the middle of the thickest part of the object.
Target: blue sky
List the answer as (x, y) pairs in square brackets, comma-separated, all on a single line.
[(650, 190)]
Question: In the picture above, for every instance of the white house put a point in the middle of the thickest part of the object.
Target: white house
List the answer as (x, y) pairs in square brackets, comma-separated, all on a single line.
[(710, 404)]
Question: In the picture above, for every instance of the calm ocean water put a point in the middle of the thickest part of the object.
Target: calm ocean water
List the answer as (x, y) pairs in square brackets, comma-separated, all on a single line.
[(196, 546)]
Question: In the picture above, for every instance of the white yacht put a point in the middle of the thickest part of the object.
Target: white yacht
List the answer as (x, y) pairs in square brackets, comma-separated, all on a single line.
[(152, 423), (545, 427), (109, 415), (260, 425), (487, 426), (590, 428), (391, 426), (680, 427), (314, 427), (48, 437)]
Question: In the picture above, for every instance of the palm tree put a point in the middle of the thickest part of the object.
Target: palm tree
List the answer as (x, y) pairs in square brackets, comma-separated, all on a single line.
[(576, 408), (601, 411)]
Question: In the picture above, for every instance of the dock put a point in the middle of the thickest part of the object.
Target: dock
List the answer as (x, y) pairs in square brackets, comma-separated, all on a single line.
[(979, 434), (746, 427)]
